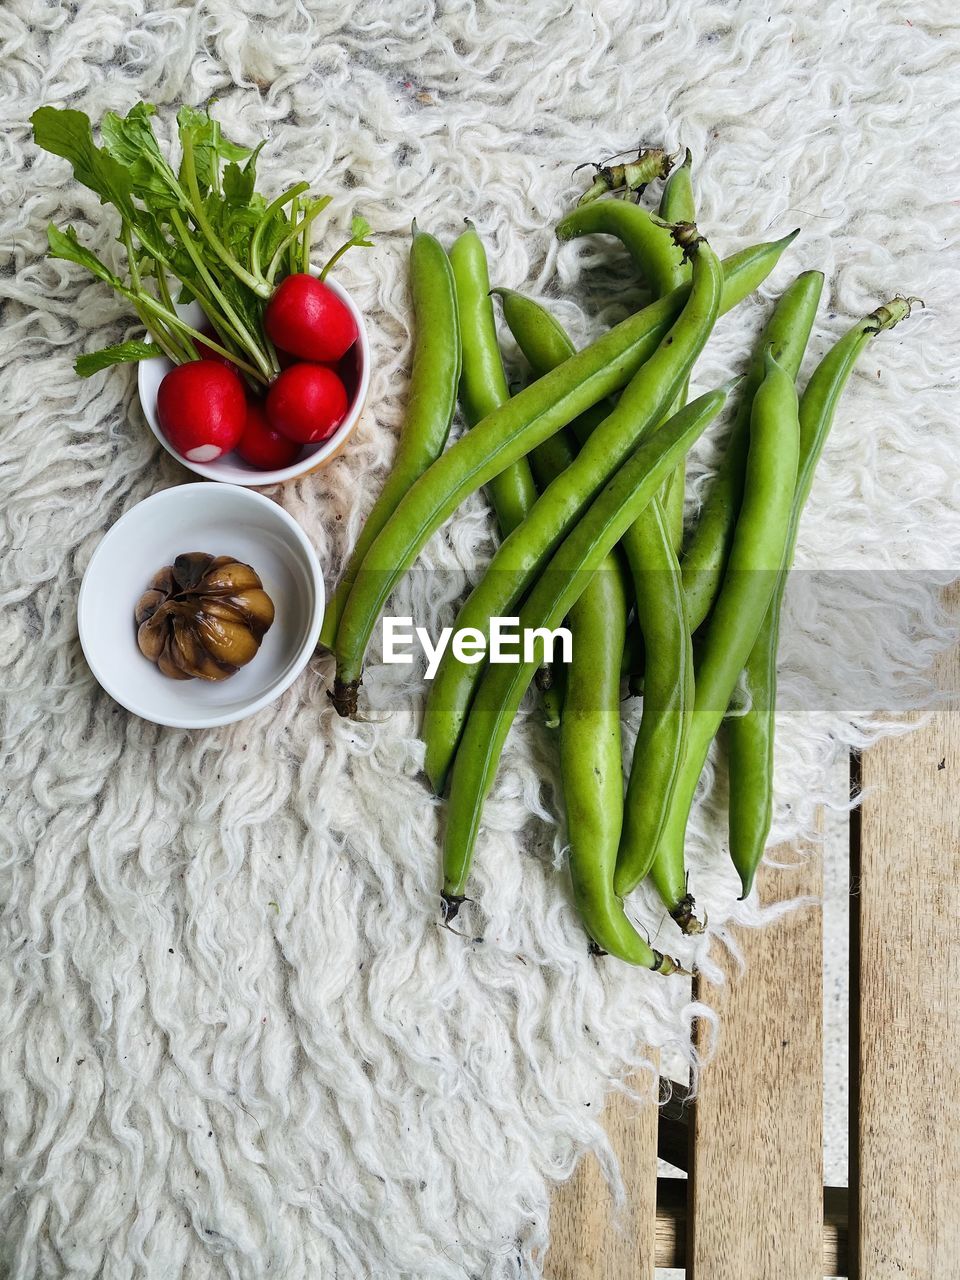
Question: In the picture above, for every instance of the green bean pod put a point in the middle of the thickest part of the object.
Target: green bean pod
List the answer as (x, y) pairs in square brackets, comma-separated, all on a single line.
[(755, 557), (591, 768), (662, 267), (658, 591), (677, 204), (705, 555), (505, 435), (483, 383), (520, 556), (548, 461), (431, 401), (483, 388), (552, 694), (545, 345), (668, 686), (556, 591), (649, 243), (591, 765), (750, 737)]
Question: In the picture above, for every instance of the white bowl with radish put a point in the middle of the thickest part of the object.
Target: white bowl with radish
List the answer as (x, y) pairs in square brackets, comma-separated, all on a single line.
[(271, 456)]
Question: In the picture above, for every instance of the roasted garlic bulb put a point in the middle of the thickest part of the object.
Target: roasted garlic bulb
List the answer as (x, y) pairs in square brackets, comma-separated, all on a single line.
[(203, 616)]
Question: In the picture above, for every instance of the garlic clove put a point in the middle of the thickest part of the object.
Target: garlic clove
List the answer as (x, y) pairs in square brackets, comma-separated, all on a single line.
[(259, 609), (148, 604), (152, 635), (193, 656), (163, 581), (169, 661), (231, 577), (253, 608), (230, 643), (183, 648), (188, 569)]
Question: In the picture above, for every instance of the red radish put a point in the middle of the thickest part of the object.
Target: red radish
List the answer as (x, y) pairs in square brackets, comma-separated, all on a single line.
[(305, 317), (307, 402), (263, 447), (202, 409)]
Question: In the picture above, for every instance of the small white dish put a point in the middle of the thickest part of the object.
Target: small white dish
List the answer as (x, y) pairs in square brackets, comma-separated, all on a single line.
[(230, 468), (222, 520)]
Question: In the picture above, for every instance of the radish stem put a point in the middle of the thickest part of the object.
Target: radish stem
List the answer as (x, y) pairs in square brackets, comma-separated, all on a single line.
[(163, 338), (292, 193), (190, 351), (305, 253), (189, 169), (234, 323), (294, 251), (361, 229), (295, 234), (172, 319)]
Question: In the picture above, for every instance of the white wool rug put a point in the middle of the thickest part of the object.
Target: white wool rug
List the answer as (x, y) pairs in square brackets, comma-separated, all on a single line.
[(234, 1041)]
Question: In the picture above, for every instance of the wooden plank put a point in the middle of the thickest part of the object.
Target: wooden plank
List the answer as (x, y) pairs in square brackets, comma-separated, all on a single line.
[(756, 1171), (672, 1226), (589, 1239), (905, 1105)]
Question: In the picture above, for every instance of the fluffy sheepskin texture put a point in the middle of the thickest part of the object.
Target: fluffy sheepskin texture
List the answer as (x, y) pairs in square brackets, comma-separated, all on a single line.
[(235, 1041)]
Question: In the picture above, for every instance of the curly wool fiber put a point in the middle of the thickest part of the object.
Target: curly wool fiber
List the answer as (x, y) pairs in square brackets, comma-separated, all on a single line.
[(235, 1042)]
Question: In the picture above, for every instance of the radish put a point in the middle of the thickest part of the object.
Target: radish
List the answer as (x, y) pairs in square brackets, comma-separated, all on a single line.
[(263, 447), (202, 221), (305, 317), (202, 409), (307, 402)]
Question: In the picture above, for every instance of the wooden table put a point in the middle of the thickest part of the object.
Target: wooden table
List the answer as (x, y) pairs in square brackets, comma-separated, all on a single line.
[(753, 1205)]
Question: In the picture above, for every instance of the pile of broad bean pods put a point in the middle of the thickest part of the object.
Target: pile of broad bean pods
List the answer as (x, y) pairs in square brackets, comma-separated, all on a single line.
[(588, 490)]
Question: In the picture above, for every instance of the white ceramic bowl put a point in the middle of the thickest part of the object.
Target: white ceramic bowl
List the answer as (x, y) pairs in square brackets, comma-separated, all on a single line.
[(231, 468), (222, 520)]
